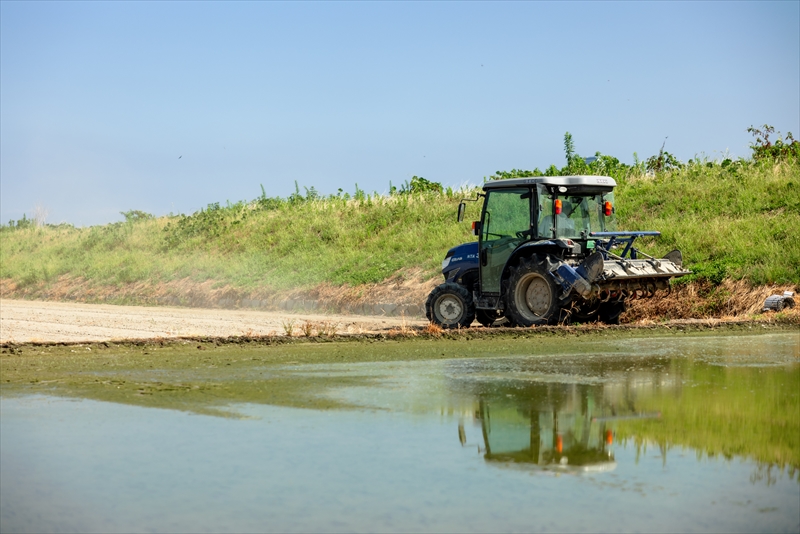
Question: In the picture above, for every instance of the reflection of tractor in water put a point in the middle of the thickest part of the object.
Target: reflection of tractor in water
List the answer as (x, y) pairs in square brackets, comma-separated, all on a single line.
[(545, 254), (551, 425), (573, 436)]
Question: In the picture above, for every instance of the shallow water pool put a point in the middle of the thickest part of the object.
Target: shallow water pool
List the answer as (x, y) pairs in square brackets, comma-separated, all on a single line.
[(695, 435)]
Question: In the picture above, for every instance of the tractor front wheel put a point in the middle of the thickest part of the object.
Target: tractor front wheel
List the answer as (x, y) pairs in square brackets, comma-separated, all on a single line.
[(533, 295), (450, 305)]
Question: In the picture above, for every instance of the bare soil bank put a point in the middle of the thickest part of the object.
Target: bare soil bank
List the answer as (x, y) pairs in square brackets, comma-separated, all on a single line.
[(186, 309), (25, 321), (35, 323), (402, 296)]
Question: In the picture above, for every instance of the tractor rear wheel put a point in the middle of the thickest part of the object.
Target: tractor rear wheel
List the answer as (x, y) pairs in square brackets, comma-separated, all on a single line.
[(450, 305), (533, 294)]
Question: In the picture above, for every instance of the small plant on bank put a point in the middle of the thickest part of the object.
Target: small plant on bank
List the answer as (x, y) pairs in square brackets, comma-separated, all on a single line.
[(20, 224), (288, 327), (307, 327), (134, 216), (663, 161), (327, 328), (434, 329)]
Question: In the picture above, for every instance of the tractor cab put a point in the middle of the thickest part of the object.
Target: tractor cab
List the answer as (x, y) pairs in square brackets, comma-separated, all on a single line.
[(561, 212)]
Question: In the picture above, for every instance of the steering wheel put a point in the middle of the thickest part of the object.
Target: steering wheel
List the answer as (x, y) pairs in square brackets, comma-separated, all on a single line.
[(525, 233)]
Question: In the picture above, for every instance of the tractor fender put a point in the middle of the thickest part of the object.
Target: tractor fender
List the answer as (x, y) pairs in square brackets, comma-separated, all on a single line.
[(464, 277), (528, 249), (469, 279)]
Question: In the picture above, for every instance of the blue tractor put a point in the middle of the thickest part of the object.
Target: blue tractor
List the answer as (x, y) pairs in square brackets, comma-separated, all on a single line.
[(548, 252)]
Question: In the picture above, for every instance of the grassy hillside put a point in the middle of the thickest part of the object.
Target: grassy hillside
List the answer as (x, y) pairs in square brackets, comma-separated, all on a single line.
[(739, 221), (733, 220), (288, 244)]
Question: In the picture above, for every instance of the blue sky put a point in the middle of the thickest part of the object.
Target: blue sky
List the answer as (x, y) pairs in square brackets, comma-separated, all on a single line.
[(169, 106)]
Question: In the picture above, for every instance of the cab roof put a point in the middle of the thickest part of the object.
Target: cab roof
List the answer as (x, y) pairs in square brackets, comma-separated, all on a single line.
[(604, 182)]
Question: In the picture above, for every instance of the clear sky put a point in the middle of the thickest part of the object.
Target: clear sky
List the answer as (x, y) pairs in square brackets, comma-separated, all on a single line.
[(169, 106)]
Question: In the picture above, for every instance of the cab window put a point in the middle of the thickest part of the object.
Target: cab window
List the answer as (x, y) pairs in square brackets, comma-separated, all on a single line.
[(508, 212)]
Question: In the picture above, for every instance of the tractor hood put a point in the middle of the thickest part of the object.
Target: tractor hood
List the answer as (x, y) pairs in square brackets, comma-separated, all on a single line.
[(460, 259)]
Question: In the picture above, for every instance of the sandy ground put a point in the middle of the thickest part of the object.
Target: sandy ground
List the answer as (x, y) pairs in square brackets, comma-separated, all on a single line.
[(24, 321)]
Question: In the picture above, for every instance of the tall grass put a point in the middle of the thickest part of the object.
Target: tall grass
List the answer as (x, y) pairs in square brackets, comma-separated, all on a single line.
[(735, 221), (249, 246)]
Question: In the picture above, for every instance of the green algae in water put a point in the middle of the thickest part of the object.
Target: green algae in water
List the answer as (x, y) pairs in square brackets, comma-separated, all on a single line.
[(203, 377)]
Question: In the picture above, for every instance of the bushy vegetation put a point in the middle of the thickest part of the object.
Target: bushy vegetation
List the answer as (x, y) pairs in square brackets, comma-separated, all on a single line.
[(732, 219)]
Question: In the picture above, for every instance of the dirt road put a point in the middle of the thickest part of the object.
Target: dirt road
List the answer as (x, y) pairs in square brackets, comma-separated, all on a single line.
[(24, 321)]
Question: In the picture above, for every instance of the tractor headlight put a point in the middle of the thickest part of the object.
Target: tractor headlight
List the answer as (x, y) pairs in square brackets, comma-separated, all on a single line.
[(446, 262)]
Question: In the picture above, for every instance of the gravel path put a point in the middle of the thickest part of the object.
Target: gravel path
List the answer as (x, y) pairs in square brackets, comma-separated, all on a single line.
[(24, 321)]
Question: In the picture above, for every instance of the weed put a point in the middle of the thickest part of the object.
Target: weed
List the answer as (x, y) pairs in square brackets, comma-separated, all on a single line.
[(764, 149), (288, 327), (134, 216), (307, 328), (404, 329), (327, 328), (433, 329), (664, 161)]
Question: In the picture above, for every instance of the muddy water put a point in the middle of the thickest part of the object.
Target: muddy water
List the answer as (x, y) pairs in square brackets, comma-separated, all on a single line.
[(696, 434)]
